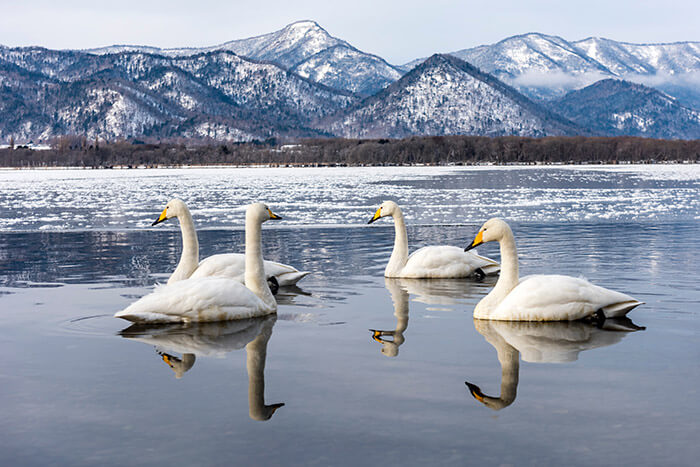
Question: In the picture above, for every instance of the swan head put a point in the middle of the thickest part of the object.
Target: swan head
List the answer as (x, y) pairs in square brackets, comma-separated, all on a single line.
[(387, 208), (390, 348), (179, 365), (494, 403), (175, 208), (492, 230), (259, 212)]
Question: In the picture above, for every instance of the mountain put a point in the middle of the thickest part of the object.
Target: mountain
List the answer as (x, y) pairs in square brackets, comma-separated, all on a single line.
[(302, 82), (218, 94), (303, 47), (447, 96), (546, 67), (616, 107)]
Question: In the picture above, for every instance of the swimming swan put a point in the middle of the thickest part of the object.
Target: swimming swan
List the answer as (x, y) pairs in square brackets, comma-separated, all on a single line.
[(541, 297), (230, 265), (430, 261), (214, 298)]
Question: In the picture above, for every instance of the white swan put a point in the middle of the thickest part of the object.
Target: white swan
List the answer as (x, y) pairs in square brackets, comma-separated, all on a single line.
[(541, 343), (223, 265), (430, 261), (541, 297), (214, 298)]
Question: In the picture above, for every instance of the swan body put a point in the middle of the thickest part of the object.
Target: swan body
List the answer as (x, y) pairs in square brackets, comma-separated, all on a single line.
[(231, 265), (213, 298), (541, 297), (430, 261)]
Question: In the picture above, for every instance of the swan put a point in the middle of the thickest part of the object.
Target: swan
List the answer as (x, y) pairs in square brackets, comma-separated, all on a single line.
[(554, 342), (430, 261), (215, 339), (542, 297), (214, 298), (223, 265)]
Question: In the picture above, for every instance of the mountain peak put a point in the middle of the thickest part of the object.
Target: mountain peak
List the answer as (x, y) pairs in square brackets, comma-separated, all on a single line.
[(304, 24)]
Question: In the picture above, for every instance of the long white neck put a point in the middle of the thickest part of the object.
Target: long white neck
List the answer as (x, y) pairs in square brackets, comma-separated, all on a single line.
[(399, 255), (255, 279), (189, 260), (256, 353), (507, 280)]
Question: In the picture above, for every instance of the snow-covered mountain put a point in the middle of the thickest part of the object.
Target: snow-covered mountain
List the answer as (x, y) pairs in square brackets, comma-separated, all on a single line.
[(616, 107), (447, 96), (303, 47), (546, 67), (301, 81), (218, 94)]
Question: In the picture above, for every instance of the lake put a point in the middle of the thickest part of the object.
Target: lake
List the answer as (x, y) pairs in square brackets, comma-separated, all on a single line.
[(79, 387)]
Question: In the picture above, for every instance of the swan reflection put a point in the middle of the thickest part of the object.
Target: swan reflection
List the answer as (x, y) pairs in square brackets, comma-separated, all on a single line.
[(214, 339), (428, 291), (541, 342), (399, 296)]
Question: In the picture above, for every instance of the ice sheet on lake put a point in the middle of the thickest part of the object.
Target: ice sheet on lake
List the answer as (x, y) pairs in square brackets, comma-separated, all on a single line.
[(129, 199)]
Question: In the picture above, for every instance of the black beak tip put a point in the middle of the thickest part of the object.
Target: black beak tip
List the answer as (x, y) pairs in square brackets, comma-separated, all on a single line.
[(473, 388)]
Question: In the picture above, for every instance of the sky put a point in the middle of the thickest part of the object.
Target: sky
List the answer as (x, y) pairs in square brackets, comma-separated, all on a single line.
[(397, 30)]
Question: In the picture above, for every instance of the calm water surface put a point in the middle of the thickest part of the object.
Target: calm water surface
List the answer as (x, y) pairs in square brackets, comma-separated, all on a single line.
[(79, 387)]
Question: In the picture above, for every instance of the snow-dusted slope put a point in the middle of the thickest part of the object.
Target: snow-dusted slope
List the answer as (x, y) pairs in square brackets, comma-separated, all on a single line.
[(445, 96), (543, 66), (220, 95), (623, 58), (303, 47), (347, 68), (616, 107)]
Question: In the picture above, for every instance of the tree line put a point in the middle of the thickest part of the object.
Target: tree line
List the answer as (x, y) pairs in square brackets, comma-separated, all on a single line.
[(432, 150)]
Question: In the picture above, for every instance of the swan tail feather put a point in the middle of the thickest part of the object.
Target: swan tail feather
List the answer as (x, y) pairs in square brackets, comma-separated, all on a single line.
[(291, 278), (619, 309)]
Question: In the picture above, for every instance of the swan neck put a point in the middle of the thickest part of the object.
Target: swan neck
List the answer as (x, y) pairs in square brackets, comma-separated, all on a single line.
[(399, 255), (255, 279), (189, 259), (509, 358), (256, 354), (509, 275)]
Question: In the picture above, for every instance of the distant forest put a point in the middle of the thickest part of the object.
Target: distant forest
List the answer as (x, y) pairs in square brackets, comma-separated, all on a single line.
[(434, 150)]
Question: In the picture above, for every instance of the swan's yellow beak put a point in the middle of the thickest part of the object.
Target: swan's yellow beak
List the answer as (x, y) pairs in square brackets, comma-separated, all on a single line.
[(273, 215), (376, 216), (166, 359), (477, 241), (162, 217)]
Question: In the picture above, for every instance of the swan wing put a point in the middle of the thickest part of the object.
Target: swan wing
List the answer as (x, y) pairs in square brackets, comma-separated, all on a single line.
[(560, 298), (197, 300), (445, 262), (232, 265)]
